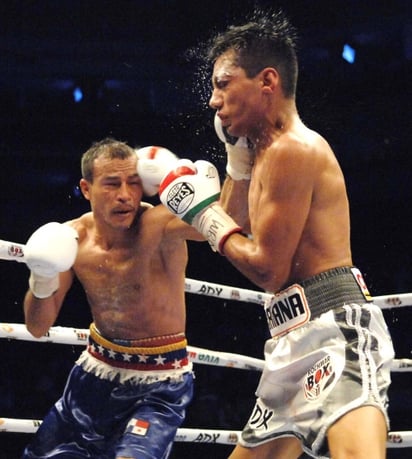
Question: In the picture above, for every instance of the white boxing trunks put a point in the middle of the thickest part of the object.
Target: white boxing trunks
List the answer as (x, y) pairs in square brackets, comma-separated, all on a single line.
[(336, 356)]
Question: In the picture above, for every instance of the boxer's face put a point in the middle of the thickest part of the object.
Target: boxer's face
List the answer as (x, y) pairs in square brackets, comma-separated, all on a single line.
[(115, 192), (234, 96)]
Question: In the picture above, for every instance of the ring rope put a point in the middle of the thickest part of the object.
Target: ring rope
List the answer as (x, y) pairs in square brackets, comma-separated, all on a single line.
[(78, 336), (251, 296), (398, 439)]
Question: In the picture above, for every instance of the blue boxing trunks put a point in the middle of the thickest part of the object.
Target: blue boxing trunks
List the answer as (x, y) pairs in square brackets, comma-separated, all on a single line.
[(122, 398), (330, 353)]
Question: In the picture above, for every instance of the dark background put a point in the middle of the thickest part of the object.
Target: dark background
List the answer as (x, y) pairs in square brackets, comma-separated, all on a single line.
[(134, 61)]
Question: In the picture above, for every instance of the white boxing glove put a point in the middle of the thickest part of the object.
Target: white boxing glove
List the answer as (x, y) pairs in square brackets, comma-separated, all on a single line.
[(240, 155), (191, 191), (153, 163), (51, 249)]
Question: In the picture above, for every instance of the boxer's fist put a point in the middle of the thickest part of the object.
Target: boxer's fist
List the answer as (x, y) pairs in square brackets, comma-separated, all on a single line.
[(153, 163), (226, 138), (189, 188), (51, 249), (240, 154), (191, 191)]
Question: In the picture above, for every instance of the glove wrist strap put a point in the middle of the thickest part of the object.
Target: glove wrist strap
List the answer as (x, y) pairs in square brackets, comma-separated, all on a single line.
[(43, 287), (216, 226)]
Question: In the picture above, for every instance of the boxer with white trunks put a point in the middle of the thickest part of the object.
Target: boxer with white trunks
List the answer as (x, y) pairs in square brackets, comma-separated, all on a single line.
[(328, 340), (282, 219)]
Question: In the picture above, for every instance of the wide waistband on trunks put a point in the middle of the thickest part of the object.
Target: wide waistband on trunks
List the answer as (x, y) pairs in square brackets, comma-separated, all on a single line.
[(304, 301), (330, 289), (172, 355)]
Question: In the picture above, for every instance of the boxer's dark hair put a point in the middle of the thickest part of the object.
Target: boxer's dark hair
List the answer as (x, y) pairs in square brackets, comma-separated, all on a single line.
[(108, 147), (267, 40)]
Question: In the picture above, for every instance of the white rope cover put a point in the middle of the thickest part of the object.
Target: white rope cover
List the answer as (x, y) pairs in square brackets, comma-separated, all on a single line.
[(251, 296), (78, 336), (223, 437)]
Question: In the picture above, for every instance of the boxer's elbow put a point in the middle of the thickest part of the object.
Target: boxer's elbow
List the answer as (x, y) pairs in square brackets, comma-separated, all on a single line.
[(270, 280), (37, 331), (267, 274)]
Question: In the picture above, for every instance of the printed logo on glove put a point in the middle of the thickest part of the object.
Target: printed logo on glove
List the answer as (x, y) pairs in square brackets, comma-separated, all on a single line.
[(180, 196), (181, 193)]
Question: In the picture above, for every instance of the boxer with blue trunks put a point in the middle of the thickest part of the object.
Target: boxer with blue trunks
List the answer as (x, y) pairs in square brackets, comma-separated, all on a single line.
[(128, 392), (122, 397)]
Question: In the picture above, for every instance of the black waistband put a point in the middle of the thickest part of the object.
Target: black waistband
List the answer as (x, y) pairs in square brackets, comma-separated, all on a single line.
[(332, 288)]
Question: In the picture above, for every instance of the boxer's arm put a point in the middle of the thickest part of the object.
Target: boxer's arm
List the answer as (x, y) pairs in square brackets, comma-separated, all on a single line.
[(281, 206), (240, 159), (41, 314), (234, 199), (50, 252), (175, 228)]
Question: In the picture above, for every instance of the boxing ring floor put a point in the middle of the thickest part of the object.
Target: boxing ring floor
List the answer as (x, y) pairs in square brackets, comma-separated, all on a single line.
[(224, 385)]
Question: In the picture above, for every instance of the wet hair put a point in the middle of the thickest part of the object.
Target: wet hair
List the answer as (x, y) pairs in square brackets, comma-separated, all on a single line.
[(267, 40), (109, 148)]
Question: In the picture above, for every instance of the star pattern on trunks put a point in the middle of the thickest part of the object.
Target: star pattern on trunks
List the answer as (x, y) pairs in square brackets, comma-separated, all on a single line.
[(177, 364), (160, 360), (171, 360), (126, 357), (94, 348)]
